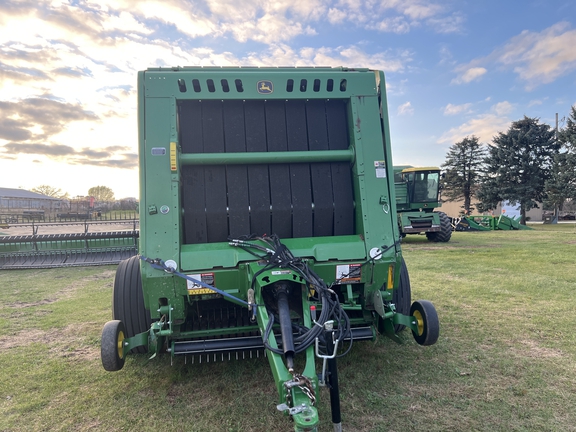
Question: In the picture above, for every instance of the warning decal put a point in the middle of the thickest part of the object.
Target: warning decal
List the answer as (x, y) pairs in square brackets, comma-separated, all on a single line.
[(197, 289), (380, 167), (348, 273)]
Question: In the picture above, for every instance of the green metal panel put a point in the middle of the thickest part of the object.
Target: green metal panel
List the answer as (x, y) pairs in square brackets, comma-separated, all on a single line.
[(308, 83), (372, 243)]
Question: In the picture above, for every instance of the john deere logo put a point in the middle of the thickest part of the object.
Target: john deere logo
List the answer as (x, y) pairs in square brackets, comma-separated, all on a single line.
[(265, 87)]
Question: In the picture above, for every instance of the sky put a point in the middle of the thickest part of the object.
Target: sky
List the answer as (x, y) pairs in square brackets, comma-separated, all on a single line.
[(454, 68)]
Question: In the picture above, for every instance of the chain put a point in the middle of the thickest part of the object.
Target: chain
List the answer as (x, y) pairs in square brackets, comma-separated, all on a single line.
[(304, 384)]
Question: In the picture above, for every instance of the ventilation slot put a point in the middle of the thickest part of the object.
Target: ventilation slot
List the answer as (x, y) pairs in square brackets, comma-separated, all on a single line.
[(316, 87), (330, 85), (225, 86)]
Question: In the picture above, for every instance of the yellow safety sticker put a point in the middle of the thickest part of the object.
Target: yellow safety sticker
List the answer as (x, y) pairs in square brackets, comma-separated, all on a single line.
[(173, 157), (197, 289)]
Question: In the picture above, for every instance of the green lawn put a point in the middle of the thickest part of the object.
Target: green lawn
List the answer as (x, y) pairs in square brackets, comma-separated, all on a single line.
[(505, 360)]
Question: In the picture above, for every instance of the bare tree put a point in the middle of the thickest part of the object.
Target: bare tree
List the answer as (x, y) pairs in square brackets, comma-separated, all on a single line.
[(101, 193), (50, 191)]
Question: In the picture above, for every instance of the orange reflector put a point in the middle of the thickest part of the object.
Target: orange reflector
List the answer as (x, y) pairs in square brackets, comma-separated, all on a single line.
[(173, 164), (390, 284)]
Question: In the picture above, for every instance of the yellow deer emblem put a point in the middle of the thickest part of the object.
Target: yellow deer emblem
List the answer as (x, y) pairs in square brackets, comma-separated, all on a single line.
[(265, 87)]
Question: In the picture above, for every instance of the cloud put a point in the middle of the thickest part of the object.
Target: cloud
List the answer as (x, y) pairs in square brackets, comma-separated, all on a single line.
[(450, 24), (112, 156), (536, 57), (351, 56), (405, 109), (395, 16), (336, 16), (540, 58), (108, 21), (468, 74), (397, 25), (38, 118), (535, 102), (72, 72), (484, 126), (39, 149), (502, 108), (446, 56), (456, 109)]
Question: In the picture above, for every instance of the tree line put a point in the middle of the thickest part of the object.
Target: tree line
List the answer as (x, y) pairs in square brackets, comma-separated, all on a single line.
[(530, 164), (100, 193)]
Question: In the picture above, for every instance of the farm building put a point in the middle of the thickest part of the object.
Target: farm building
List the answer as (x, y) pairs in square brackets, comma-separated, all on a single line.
[(20, 204)]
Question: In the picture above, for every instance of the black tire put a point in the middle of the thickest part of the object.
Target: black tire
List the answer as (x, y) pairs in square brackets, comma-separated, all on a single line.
[(445, 230), (402, 295), (111, 352), (428, 324), (128, 300)]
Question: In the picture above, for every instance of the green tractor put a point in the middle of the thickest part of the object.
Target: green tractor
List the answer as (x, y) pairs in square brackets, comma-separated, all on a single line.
[(417, 195), (268, 223)]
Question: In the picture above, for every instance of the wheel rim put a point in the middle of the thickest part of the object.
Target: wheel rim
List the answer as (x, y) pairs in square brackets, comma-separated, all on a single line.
[(419, 322), (120, 344)]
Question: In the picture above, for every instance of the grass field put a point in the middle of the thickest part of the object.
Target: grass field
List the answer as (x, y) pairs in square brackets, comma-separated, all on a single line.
[(505, 360)]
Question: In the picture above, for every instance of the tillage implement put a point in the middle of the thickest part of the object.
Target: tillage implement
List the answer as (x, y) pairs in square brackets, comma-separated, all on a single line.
[(267, 222)]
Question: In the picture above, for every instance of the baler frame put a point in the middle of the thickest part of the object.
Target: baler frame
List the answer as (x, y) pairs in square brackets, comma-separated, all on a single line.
[(229, 156)]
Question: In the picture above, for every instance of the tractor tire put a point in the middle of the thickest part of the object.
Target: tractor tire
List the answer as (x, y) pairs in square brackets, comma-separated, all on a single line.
[(111, 346), (428, 324), (128, 300), (445, 230), (402, 296)]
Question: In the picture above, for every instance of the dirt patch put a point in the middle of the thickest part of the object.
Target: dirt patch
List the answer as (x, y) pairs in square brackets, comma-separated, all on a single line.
[(67, 291), (69, 342), (21, 305), (108, 274), (22, 338), (531, 349)]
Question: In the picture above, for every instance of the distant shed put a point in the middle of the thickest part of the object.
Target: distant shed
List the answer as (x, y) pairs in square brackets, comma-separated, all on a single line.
[(25, 203)]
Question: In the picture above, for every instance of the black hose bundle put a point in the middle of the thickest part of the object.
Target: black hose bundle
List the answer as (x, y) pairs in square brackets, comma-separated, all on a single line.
[(277, 255)]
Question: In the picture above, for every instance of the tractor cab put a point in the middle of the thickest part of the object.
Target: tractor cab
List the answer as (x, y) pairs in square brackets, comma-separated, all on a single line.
[(423, 186)]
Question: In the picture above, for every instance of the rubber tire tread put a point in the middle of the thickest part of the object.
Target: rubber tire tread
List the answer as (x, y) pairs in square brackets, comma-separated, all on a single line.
[(402, 296), (128, 300), (109, 346), (431, 323), (445, 232)]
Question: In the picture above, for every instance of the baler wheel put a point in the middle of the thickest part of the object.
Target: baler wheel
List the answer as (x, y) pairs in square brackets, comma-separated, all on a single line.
[(128, 300), (111, 346), (427, 320), (402, 295)]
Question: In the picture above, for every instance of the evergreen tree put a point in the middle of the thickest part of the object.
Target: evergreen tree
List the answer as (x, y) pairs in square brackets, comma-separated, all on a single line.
[(518, 165), (562, 184), (463, 170)]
